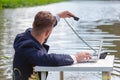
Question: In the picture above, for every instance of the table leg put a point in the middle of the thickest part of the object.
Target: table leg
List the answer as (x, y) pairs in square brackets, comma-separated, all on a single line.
[(61, 75), (43, 75), (106, 75)]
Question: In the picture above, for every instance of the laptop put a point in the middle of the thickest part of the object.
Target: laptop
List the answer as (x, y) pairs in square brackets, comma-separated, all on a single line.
[(96, 57)]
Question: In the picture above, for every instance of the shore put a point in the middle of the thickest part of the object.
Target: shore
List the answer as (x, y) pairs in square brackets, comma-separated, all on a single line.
[(23, 3)]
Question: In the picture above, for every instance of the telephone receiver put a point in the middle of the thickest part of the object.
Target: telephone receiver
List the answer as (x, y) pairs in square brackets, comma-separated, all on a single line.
[(74, 17)]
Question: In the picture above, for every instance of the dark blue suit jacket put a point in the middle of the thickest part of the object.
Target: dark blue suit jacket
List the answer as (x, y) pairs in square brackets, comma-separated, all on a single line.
[(29, 53)]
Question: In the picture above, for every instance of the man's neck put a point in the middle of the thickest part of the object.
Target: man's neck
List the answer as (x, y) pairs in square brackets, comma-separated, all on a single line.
[(38, 38)]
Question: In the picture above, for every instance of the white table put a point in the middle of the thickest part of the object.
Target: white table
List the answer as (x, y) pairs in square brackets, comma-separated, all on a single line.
[(103, 65)]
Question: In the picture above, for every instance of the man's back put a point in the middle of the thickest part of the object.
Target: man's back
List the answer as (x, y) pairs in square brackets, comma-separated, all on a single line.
[(30, 48), (29, 52)]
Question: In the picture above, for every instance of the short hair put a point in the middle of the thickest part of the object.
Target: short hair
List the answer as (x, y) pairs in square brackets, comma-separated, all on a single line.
[(42, 21)]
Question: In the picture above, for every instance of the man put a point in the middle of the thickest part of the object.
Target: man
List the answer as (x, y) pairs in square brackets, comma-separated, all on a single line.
[(31, 50)]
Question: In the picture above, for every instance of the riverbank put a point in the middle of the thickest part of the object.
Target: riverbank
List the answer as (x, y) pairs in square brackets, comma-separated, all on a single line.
[(24, 3)]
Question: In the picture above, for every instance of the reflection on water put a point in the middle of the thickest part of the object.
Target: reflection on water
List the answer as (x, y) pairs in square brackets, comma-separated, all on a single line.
[(98, 20), (1, 47)]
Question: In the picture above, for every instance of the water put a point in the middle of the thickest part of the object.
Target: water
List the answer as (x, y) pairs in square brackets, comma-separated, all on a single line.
[(98, 20)]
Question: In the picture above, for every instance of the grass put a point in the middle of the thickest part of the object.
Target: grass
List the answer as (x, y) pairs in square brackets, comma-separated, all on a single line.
[(24, 3)]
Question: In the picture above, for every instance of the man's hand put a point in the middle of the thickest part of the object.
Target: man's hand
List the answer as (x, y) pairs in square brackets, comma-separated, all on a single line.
[(65, 14), (81, 56)]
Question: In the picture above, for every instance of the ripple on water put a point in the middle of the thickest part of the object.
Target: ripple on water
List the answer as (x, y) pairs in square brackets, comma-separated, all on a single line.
[(92, 16)]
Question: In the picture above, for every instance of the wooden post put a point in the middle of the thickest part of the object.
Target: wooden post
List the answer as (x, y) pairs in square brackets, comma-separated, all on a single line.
[(43, 75), (106, 75), (61, 75)]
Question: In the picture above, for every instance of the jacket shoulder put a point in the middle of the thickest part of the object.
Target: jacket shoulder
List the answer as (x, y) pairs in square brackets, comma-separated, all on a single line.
[(22, 41)]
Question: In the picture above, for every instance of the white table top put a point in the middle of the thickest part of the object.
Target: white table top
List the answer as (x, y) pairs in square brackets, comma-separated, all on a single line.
[(101, 65)]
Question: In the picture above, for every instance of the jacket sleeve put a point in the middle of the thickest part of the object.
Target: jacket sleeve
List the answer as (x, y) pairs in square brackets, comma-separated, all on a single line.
[(35, 56)]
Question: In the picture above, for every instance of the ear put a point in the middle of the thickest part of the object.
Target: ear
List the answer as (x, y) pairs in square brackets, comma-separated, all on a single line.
[(48, 32)]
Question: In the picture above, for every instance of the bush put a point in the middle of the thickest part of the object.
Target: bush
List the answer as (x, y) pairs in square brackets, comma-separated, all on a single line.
[(22, 3)]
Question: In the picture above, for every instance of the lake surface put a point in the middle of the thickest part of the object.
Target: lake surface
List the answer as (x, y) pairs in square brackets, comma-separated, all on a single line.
[(99, 20)]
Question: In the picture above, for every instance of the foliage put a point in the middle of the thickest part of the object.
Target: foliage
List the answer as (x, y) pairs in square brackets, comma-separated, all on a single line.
[(24, 3)]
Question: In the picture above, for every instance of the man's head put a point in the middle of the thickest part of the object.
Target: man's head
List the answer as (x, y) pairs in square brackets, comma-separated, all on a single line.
[(43, 23)]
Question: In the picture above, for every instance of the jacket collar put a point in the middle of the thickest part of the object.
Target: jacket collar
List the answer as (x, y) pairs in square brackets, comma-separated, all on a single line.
[(28, 32)]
